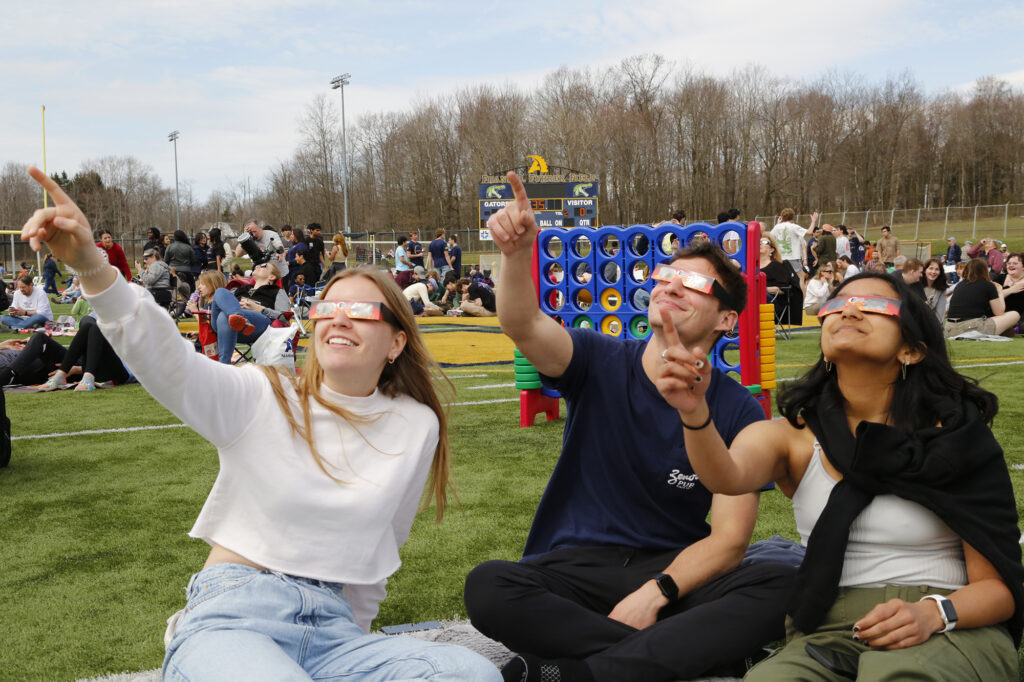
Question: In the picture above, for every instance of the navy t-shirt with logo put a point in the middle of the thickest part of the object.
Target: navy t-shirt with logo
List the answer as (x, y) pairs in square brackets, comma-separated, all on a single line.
[(623, 477)]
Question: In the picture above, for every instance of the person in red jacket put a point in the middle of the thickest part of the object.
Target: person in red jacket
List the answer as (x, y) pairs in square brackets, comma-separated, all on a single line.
[(115, 254)]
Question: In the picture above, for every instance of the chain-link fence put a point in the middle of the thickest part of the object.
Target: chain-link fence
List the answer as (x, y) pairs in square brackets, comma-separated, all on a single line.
[(998, 221)]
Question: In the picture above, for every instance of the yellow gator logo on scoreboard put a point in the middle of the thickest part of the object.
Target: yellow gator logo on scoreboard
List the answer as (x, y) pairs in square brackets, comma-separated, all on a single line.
[(539, 165)]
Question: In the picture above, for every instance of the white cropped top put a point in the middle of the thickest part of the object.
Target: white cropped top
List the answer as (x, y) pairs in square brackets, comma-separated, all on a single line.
[(271, 503), (892, 542)]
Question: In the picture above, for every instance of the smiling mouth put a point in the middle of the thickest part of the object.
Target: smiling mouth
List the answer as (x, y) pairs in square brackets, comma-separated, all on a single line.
[(339, 341)]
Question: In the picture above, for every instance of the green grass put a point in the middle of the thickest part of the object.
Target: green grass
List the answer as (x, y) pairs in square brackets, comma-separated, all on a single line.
[(93, 539)]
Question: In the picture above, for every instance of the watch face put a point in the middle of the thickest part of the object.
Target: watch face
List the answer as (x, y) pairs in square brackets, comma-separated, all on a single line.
[(948, 610)]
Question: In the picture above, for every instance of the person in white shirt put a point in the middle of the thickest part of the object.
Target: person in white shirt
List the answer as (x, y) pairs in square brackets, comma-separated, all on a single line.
[(819, 288), (29, 308), (320, 476), (790, 238), (843, 242), (846, 267)]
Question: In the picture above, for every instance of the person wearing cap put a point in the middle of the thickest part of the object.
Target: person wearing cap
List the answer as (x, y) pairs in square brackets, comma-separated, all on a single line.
[(622, 577), (953, 251), (155, 276)]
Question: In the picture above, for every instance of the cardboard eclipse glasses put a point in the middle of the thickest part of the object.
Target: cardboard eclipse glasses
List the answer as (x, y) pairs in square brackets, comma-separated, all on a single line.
[(693, 280), (356, 310), (866, 304)]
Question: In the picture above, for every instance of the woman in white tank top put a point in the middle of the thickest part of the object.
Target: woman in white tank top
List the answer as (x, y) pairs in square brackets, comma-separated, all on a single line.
[(885, 572)]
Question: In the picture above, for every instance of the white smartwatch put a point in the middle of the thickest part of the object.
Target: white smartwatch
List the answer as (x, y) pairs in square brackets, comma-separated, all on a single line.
[(946, 610)]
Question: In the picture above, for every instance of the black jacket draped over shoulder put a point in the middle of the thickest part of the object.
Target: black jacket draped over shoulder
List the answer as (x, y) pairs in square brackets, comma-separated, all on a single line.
[(956, 470)]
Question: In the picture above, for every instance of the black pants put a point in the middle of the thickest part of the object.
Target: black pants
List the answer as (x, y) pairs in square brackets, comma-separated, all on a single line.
[(40, 356), (95, 354), (556, 606)]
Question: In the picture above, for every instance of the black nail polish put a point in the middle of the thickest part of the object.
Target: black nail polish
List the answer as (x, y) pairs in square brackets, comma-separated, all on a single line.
[(856, 628)]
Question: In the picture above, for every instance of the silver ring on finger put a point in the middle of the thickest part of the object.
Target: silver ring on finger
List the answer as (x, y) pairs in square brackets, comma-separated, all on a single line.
[(663, 358)]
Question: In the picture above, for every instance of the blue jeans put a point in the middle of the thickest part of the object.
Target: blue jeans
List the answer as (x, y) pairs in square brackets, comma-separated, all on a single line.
[(24, 322), (223, 306), (242, 623)]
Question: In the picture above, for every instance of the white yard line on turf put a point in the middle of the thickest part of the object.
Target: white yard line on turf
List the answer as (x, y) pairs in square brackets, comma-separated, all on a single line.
[(98, 431), (466, 376), (477, 388), (488, 402)]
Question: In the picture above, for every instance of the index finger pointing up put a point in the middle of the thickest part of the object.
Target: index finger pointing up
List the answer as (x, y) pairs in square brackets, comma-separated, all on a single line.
[(59, 197), (518, 189), (668, 328)]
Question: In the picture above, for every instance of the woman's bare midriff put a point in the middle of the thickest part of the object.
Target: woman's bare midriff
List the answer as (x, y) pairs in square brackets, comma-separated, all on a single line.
[(221, 555)]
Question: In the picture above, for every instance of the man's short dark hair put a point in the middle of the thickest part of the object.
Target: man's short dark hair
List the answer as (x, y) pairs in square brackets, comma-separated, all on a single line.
[(454, 238), (729, 276), (723, 217), (402, 239), (313, 226), (26, 280), (679, 214), (734, 213)]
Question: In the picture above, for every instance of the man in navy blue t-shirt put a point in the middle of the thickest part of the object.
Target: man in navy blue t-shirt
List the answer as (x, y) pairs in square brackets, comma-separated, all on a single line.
[(622, 577)]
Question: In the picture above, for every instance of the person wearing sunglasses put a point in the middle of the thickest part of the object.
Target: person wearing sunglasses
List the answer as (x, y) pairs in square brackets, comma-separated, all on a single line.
[(320, 476), (622, 578), (244, 314), (900, 493), (819, 288)]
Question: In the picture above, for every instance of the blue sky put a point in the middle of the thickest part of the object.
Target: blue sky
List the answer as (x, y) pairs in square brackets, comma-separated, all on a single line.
[(235, 77)]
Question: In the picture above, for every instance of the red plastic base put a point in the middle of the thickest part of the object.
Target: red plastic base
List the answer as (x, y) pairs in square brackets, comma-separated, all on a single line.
[(532, 402)]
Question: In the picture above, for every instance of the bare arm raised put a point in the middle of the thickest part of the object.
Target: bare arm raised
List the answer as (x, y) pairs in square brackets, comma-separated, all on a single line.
[(542, 340), (759, 453)]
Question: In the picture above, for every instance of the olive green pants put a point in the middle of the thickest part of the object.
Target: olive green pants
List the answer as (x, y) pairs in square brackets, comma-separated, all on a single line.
[(985, 654)]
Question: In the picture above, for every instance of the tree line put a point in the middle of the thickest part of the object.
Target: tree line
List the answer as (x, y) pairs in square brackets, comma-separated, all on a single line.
[(658, 137)]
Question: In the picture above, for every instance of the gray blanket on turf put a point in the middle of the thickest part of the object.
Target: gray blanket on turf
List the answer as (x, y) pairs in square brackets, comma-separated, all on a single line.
[(452, 631)]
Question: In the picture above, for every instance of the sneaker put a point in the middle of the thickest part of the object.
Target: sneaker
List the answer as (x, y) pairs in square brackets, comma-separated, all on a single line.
[(52, 385), (240, 324), (86, 386)]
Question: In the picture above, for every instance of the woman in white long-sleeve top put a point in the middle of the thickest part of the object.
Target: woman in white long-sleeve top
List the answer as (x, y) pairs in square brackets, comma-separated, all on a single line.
[(319, 479)]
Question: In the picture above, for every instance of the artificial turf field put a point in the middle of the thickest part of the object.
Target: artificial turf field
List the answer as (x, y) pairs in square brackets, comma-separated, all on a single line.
[(93, 548)]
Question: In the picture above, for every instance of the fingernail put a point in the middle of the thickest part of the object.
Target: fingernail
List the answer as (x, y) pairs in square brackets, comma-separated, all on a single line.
[(700, 364), (855, 637), (856, 628), (699, 379)]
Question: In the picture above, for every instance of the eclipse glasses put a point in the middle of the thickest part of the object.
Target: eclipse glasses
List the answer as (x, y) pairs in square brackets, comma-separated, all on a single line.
[(356, 310), (693, 280), (865, 304)]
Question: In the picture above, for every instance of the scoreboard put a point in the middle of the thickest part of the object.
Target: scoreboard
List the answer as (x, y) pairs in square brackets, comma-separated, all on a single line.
[(555, 204)]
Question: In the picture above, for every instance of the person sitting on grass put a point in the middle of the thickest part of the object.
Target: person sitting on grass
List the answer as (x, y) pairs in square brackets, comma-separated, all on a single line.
[(977, 304), (72, 293), (622, 577), (90, 355), (418, 294), (29, 362), (29, 308), (477, 299), (246, 314), (319, 482), (900, 491)]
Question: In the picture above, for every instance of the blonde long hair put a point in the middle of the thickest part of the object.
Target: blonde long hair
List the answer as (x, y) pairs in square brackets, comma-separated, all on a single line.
[(212, 280), (412, 374)]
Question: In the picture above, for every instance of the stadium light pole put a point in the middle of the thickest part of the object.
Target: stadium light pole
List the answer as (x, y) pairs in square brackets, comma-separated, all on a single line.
[(173, 137), (339, 83)]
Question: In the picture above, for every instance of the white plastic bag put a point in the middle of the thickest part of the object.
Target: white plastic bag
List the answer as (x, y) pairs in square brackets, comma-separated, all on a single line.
[(274, 347)]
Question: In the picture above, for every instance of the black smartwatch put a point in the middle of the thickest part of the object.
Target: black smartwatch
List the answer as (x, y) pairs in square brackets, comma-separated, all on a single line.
[(946, 610), (667, 586)]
